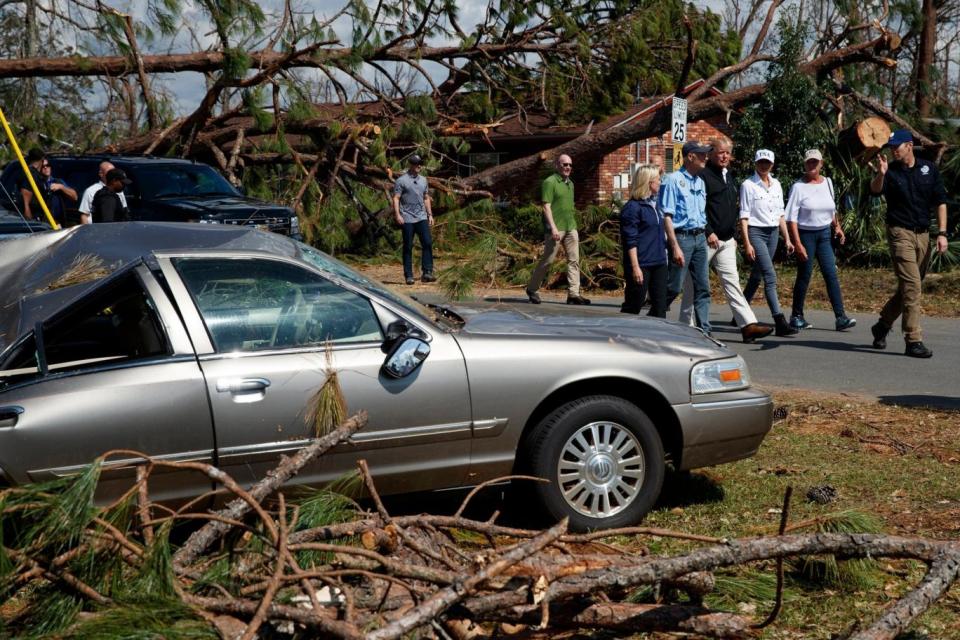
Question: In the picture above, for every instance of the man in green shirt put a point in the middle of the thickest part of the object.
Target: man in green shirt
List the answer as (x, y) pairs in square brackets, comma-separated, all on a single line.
[(560, 228)]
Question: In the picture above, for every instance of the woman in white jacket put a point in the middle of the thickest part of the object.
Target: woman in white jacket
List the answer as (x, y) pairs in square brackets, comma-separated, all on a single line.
[(761, 225)]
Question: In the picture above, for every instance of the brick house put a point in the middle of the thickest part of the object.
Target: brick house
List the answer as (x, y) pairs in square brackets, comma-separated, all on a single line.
[(598, 184)]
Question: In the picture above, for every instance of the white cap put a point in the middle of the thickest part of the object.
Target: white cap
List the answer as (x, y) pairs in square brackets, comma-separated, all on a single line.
[(763, 154), (813, 154)]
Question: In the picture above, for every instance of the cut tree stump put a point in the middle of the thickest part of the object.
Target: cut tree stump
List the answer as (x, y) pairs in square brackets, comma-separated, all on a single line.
[(865, 139)]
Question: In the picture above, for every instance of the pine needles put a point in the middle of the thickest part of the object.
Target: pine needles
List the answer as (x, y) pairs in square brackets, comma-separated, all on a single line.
[(328, 406), (85, 267), (860, 573)]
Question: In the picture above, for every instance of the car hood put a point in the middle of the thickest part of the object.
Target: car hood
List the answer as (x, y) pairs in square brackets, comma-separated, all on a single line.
[(223, 206), (650, 335)]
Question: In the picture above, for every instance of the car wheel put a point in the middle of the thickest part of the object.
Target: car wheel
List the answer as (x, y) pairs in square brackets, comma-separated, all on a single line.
[(603, 460)]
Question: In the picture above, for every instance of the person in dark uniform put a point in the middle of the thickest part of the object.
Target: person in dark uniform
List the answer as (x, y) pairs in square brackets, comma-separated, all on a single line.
[(912, 188), (107, 206), (57, 193), (31, 209)]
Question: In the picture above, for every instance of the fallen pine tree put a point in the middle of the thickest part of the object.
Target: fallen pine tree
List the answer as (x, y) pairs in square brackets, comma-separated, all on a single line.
[(269, 565)]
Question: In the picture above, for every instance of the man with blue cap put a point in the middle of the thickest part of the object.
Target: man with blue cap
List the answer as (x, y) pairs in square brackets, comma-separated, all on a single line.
[(683, 202), (912, 188)]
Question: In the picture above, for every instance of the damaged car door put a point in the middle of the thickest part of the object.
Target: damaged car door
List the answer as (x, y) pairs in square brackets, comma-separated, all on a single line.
[(269, 331), (120, 359)]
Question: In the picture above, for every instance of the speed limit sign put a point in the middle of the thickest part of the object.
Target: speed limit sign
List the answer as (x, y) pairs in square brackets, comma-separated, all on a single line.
[(678, 125)]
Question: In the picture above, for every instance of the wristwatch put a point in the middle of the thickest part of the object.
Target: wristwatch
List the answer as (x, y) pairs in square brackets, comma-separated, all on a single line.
[(944, 234)]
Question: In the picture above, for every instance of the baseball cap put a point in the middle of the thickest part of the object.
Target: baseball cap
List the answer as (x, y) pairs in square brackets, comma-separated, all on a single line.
[(813, 154), (763, 154), (415, 159), (696, 147), (898, 137), (117, 174)]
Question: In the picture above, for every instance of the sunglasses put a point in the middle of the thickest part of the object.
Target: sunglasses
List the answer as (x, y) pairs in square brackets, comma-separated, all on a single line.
[(45, 166), (566, 164)]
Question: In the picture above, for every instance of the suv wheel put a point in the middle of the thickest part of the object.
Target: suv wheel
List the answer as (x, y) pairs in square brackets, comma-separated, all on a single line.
[(603, 459)]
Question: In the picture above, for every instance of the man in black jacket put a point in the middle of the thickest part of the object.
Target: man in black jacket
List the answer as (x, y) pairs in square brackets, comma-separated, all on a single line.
[(107, 206), (723, 211)]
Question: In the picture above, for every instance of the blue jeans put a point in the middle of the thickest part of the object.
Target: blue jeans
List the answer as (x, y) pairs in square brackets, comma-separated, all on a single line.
[(818, 244), (695, 260), (422, 229), (764, 241)]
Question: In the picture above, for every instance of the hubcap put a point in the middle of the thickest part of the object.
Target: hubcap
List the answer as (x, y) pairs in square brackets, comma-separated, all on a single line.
[(601, 469)]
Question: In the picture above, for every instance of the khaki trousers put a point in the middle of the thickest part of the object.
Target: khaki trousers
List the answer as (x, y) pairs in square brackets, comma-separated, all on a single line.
[(571, 246), (723, 259), (911, 255)]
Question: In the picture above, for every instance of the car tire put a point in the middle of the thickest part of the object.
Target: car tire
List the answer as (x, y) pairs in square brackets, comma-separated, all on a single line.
[(611, 458)]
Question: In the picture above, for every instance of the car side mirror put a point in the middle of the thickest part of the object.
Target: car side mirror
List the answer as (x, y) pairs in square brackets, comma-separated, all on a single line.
[(397, 331), (405, 356)]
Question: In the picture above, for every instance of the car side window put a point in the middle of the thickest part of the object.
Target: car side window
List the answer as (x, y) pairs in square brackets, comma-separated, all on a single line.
[(114, 324), (255, 305)]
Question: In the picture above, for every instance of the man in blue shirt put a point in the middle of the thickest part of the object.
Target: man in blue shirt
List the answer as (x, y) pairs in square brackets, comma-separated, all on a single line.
[(683, 203)]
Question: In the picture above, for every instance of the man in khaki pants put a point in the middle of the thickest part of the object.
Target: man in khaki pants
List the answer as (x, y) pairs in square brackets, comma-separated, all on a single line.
[(912, 187), (560, 227)]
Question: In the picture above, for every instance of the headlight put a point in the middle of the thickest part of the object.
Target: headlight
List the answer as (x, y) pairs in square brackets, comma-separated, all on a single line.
[(719, 375), (294, 224), (208, 221)]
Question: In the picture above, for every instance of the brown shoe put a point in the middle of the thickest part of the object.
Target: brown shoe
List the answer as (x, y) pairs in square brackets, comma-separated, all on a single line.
[(577, 300), (754, 331)]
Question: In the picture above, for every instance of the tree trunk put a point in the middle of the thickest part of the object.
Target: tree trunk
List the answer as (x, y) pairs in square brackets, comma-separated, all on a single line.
[(925, 54), (864, 139)]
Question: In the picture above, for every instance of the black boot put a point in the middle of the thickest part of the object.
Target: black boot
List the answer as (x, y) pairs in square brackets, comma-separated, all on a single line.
[(783, 327)]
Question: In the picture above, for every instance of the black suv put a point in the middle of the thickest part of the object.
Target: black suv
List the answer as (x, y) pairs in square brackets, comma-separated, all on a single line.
[(166, 190)]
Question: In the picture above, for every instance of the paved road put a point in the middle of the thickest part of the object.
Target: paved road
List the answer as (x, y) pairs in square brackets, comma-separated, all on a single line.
[(828, 360)]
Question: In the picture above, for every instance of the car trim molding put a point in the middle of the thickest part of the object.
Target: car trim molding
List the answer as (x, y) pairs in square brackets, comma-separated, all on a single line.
[(262, 452), (489, 428), (124, 467), (730, 404)]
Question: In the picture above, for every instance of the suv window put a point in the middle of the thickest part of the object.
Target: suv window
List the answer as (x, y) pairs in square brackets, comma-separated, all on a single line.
[(116, 323), (253, 305), (167, 180)]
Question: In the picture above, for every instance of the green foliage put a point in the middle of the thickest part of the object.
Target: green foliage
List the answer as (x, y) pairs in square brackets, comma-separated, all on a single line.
[(786, 120), (323, 507), (524, 222), (856, 574), (148, 619)]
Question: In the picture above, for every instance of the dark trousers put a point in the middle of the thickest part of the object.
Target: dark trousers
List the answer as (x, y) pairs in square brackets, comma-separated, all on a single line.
[(422, 229), (654, 282), (818, 244)]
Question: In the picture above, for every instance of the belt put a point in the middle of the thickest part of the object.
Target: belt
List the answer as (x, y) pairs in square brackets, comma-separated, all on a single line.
[(689, 232), (914, 229)]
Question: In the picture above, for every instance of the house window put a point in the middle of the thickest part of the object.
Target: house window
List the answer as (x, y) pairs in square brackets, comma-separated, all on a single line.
[(473, 163)]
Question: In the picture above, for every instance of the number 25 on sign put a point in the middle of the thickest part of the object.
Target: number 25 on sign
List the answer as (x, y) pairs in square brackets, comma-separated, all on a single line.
[(678, 125)]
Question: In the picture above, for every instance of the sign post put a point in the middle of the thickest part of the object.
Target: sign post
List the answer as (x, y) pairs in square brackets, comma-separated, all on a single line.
[(678, 132)]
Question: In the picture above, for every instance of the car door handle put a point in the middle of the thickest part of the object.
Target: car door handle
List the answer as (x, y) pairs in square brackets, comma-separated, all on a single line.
[(9, 416), (242, 385)]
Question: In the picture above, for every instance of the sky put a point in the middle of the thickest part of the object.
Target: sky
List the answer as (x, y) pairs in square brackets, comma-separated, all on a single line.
[(187, 89)]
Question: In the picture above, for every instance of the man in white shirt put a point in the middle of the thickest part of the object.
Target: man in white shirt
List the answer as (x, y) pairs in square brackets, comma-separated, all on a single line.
[(86, 202)]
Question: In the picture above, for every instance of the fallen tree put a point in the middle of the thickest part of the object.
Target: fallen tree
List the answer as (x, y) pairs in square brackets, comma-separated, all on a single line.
[(257, 563)]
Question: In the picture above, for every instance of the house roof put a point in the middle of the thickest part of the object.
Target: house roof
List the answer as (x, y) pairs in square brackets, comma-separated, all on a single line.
[(543, 125)]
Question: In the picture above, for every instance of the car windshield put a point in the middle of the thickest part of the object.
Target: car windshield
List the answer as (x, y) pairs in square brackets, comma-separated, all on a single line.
[(173, 180), (330, 264)]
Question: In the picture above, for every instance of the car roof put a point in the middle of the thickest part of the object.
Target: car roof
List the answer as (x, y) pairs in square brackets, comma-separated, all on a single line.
[(122, 159), (32, 266)]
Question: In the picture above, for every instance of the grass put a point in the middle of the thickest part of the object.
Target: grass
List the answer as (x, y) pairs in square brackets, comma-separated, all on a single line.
[(895, 467)]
